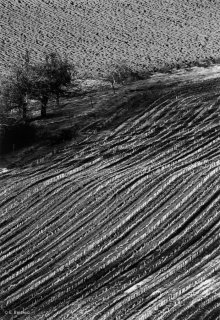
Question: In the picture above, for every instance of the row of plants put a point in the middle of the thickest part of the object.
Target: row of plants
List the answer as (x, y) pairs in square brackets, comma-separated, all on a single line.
[(64, 240), (70, 217)]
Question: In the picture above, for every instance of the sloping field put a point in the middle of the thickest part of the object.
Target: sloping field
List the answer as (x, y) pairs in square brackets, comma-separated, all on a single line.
[(125, 228), (146, 33)]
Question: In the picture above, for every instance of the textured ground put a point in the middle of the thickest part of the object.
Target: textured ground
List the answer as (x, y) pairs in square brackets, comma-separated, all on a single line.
[(127, 227), (145, 33)]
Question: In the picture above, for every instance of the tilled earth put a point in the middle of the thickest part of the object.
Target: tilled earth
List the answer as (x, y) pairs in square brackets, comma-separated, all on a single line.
[(125, 227)]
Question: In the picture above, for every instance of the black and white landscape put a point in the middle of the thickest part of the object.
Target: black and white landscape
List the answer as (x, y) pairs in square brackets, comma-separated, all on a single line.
[(110, 198)]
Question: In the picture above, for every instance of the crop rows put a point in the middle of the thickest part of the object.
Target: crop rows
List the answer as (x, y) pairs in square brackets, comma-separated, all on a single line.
[(125, 228)]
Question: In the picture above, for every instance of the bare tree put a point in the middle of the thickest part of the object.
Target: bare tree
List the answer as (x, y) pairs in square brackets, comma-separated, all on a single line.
[(40, 81), (120, 73), (51, 79), (58, 72), (16, 89)]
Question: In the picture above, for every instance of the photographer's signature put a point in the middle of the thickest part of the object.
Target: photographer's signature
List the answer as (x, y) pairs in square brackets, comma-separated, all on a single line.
[(11, 312)]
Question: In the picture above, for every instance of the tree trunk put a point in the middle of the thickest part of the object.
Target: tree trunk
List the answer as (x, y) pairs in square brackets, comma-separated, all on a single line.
[(58, 99), (43, 111), (113, 87), (91, 101), (24, 109), (44, 100)]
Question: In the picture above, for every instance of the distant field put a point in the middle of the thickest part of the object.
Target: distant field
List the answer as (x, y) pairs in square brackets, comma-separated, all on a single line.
[(146, 33)]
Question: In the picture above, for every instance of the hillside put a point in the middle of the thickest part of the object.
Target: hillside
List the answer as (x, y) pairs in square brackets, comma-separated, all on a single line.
[(126, 224), (145, 33)]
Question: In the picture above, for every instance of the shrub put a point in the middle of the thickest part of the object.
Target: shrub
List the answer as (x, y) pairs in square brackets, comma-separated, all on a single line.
[(16, 135), (121, 73), (66, 134)]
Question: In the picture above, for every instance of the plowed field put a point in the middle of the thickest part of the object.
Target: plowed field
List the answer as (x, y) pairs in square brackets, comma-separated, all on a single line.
[(145, 33), (127, 227)]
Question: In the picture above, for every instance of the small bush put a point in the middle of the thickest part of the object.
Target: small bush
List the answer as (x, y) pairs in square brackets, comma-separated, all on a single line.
[(121, 73), (52, 137), (59, 136), (16, 136), (66, 134)]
